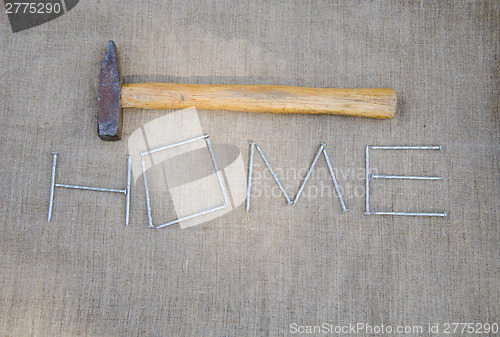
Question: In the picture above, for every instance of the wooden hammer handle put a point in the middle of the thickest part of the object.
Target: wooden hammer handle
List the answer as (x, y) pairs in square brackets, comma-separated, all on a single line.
[(375, 103)]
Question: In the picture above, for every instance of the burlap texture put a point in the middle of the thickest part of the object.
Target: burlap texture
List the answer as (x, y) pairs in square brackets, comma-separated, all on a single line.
[(254, 274)]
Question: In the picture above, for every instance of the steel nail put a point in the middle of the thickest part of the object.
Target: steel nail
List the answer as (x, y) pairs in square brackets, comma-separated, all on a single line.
[(367, 180), (148, 204), (308, 174), (250, 168), (273, 174), (127, 193), (382, 176), (217, 171), (332, 174), (52, 185), (411, 214)]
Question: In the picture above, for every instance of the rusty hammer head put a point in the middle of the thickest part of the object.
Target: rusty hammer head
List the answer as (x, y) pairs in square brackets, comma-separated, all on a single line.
[(109, 110)]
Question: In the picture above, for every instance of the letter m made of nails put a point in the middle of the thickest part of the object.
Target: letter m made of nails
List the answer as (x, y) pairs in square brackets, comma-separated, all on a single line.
[(289, 201)]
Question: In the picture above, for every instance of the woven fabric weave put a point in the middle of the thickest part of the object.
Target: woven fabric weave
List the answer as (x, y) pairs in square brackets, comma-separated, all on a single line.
[(278, 267)]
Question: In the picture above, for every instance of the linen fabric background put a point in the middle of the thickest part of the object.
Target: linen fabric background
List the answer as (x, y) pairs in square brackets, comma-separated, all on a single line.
[(255, 274)]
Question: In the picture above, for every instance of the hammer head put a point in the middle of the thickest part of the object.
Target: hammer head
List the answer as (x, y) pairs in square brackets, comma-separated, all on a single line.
[(109, 110)]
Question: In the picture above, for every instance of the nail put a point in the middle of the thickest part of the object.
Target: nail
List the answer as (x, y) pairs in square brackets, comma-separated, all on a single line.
[(127, 193), (367, 180), (308, 174), (250, 168), (332, 174), (148, 204), (217, 171), (52, 185), (191, 216), (381, 176), (88, 188), (411, 214), (173, 145), (273, 174), (375, 147)]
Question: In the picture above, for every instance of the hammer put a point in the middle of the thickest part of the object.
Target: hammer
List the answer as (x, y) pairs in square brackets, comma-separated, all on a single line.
[(113, 96)]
